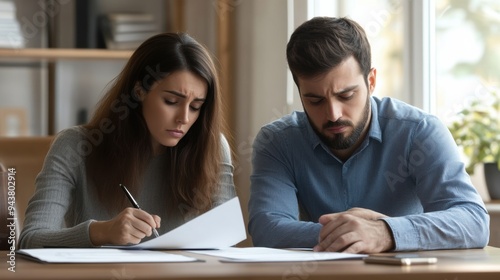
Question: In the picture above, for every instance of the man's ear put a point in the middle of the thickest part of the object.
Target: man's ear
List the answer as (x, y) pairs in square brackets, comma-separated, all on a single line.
[(372, 80), (139, 92)]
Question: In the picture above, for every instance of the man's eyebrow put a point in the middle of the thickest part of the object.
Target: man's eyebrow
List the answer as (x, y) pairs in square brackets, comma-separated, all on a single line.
[(311, 95), (347, 89), (181, 95)]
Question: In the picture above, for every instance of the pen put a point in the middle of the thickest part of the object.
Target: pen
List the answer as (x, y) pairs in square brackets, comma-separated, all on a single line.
[(135, 204)]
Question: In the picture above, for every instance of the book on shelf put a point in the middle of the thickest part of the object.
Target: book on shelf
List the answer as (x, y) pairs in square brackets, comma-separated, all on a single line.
[(10, 30), (127, 30), (86, 33)]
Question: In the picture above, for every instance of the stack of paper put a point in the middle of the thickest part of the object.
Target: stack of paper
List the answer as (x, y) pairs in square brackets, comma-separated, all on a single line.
[(127, 31), (101, 255)]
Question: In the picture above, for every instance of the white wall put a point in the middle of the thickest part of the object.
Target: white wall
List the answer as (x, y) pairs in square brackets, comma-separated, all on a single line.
[(260, 78), (200, 23)]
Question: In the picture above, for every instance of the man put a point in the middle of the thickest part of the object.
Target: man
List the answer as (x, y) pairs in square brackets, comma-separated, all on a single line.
[(353, 172)]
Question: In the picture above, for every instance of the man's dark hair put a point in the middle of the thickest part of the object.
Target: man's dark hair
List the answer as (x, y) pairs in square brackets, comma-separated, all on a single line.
[(322, 43)]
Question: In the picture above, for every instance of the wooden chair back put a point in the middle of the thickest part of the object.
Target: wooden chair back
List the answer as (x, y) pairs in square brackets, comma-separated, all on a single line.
[(25, 156)]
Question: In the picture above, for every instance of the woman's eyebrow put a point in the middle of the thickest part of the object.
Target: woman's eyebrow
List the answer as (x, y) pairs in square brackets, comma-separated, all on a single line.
[(181, 95)]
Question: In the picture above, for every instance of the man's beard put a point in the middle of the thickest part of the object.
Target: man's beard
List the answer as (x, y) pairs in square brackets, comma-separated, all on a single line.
[(341, 142)]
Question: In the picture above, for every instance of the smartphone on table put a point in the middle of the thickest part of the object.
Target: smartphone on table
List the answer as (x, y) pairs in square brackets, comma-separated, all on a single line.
[(400, 259)]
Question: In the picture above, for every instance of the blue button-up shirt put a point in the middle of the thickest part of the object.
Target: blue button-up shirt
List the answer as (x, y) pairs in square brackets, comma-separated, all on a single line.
[(408, 168)]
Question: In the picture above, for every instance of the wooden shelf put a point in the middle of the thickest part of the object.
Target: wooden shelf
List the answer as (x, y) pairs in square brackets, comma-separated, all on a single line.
[(58, 54)]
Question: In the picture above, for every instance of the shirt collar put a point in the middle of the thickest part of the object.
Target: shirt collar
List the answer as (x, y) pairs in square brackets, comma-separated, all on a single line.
[(375, 132)]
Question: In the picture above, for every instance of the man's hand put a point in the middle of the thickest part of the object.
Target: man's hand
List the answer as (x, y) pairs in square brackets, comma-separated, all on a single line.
[(357, 230), (128, 227)]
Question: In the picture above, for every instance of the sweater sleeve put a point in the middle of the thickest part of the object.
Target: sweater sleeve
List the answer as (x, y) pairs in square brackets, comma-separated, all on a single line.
[(63, 171), (226, 182)]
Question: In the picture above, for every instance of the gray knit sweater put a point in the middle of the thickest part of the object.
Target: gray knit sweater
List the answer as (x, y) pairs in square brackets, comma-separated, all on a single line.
[(64, 203)]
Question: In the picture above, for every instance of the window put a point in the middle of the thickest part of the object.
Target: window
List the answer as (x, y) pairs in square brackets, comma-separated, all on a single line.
[(467, 52)]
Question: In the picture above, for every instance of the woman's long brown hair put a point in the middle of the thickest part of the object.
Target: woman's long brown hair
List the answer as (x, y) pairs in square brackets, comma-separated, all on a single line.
[(124, 148)]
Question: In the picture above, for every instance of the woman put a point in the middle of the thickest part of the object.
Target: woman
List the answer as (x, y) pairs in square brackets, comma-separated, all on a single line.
[(158, 131)]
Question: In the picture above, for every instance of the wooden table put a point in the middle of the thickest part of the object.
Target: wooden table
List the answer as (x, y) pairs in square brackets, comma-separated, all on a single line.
[(474, 264)]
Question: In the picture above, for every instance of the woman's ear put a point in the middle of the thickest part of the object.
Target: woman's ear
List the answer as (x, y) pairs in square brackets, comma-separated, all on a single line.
[(139, 92)]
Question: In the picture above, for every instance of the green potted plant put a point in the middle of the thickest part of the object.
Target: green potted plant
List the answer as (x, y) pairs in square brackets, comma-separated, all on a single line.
[(476, 130)]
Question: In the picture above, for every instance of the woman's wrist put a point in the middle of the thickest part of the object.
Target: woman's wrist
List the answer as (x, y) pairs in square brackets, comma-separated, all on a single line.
[(96, 232)]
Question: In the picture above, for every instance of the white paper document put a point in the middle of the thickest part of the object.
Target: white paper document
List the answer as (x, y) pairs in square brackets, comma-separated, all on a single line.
[(101, 255), (261, 254), (220, 227)]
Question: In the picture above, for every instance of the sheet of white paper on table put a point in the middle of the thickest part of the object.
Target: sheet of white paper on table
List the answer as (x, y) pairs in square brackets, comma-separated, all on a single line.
[(262, 254), (101, 255), (220, 227)]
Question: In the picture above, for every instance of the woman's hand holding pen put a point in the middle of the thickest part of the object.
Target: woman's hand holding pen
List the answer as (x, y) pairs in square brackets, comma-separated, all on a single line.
[(129, 227)]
